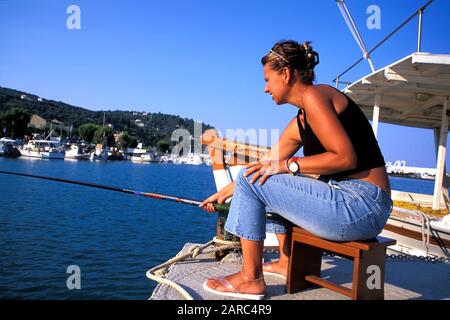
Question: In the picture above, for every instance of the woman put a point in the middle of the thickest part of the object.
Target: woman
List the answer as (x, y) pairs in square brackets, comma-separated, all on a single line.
[(351, 199)]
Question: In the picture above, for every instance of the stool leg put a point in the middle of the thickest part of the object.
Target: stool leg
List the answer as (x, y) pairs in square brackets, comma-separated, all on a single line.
[(368, 275), (304, 260)]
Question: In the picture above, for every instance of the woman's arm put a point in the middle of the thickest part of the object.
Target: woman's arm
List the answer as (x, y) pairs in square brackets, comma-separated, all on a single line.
[(288, 143), (323, 120), (274, 162)]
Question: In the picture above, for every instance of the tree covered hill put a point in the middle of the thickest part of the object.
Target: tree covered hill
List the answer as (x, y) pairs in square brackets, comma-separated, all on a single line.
[(149, 128)]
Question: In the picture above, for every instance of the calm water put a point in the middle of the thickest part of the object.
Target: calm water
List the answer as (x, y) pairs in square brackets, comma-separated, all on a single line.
[(114, 238)]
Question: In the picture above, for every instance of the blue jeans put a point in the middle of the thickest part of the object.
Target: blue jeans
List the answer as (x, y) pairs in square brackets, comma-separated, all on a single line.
[(344, 210)]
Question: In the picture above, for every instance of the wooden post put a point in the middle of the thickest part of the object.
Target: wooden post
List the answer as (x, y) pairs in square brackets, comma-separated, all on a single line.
[(376, 114), (437, 194), (222, 179), (361, 275), (224, 173)]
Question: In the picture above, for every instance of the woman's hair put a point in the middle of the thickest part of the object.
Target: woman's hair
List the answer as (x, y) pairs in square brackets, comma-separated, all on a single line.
[(295, 56)]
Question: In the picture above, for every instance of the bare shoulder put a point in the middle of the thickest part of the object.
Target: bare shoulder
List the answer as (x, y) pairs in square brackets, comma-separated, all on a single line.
[(316, 97), (321, 96)]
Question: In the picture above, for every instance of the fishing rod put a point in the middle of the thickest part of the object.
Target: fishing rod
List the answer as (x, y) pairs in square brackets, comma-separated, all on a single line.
[(222, 208)]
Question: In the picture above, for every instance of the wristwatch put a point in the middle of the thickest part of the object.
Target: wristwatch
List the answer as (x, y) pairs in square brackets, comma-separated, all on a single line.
[(293, 166)]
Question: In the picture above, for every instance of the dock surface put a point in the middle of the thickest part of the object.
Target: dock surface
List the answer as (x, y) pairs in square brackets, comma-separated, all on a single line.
[(404, 279)]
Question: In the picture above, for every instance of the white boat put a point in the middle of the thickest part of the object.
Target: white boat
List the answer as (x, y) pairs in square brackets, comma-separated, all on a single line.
[(418, 234), (167, 158), (418, 86), (42, 149), (134, 154), (76, 152), (150, 157), (2, 148), (177, 160), (100, 153), (414, 91), (192, 159), (9, 148)]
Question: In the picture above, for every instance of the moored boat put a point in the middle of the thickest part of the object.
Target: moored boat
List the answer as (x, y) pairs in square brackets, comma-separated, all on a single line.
[(9, 148), (150, 157), (42, 149), (413, 91), (76, 152)]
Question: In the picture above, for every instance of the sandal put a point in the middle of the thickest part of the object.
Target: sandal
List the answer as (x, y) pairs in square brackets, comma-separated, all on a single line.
[(232, 291)]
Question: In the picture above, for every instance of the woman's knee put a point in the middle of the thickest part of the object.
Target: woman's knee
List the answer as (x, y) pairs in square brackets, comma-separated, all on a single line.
[(241, 178)]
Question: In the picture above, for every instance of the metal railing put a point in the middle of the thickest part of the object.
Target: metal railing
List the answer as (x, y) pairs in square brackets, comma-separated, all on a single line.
[(419, 12)]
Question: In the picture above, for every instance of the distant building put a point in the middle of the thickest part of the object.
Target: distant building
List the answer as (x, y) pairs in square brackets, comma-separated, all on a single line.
[(23, 97), (39, 99), (139, 123), (37, 122)]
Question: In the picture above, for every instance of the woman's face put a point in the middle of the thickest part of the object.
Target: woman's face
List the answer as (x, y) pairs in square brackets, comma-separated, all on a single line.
[(275, 84)]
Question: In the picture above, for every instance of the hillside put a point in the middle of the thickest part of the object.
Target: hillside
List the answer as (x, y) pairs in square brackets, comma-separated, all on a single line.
[(148, 128)]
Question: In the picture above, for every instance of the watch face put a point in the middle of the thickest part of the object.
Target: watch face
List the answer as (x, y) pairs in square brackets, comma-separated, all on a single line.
[(293, 167)]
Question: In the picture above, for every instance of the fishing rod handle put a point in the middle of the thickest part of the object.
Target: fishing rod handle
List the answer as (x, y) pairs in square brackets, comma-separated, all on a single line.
[(225, 207)]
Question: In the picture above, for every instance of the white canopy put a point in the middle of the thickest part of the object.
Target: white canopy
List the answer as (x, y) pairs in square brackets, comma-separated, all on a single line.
[(412, 90)]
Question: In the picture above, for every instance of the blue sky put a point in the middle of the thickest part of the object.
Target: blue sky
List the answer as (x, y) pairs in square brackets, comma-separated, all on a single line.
[(201, 58)]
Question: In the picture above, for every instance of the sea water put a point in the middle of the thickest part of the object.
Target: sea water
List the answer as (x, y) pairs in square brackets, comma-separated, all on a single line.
[(49, 229)]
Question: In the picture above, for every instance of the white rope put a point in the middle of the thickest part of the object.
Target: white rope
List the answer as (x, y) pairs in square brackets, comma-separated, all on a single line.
[(159, 272), (425, 228)]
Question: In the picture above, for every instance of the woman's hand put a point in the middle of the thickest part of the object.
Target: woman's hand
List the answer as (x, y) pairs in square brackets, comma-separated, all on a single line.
[(219, 197), (264, 169)]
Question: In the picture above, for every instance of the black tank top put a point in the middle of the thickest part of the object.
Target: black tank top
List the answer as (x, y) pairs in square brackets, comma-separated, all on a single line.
[(360, 133)]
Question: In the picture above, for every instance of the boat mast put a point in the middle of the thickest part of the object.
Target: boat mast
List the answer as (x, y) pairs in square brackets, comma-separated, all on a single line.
[(104, 146), (354, 30)]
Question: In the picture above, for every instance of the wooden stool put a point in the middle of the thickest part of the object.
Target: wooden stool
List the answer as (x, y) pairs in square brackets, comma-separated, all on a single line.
[(306, 259)]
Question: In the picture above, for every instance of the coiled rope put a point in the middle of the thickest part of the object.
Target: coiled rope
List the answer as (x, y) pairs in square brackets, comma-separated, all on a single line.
[(159, 272)]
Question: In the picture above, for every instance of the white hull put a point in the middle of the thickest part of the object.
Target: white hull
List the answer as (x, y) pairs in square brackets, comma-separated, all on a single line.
[(42, 155), (76, 153), (135, 159), (191, 159), (94, 157), (150, 161), (145, 158), (416, 236), (78, 157)]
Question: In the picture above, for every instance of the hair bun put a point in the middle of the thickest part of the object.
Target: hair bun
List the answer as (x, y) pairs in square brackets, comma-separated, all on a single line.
[(298, 56), (312, 57), (306, 46)]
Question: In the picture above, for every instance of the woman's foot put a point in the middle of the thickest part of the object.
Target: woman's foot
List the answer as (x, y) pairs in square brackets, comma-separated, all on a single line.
[(237, 283), (276, 268)]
